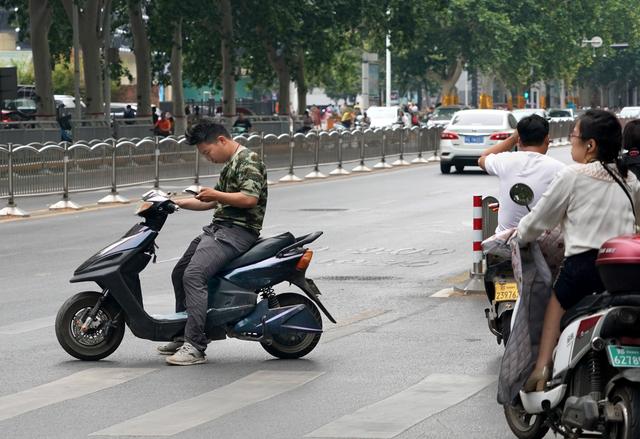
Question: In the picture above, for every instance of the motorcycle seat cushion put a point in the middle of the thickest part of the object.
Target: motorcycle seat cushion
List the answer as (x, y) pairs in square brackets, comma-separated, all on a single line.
[(263, 248), (595, 302)]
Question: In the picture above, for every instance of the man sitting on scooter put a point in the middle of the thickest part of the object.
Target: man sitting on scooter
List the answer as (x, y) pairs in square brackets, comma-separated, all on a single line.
[(239, 200), (529, 165)]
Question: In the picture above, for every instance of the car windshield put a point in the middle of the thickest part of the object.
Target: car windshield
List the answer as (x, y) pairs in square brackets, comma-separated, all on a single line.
[(469, 118), (559, 113), (20, 104), (444, 113)]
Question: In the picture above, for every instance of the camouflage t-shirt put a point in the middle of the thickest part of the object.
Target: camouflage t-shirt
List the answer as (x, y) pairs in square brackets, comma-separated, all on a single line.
[(245, 173)]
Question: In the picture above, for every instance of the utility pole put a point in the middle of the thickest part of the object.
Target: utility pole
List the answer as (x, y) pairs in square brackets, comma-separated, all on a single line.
[(76, 61)]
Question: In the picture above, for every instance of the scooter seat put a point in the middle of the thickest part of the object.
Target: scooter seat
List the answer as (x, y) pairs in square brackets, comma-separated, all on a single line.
[(263, 248), (595, 302)]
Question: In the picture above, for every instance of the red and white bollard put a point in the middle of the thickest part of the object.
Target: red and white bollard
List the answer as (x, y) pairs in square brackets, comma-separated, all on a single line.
[(476, 276), (478, 257)]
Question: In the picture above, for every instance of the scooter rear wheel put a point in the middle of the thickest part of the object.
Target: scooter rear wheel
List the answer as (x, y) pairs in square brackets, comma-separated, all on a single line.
[(524, 425), (98, 342), (294, 345), (627, 399)]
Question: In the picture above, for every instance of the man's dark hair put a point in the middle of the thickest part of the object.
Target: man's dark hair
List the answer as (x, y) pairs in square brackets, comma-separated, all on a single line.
[(206, 131), (532, 130)]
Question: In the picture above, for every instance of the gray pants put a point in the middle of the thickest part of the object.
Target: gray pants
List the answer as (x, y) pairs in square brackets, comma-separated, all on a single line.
[(205, 257)]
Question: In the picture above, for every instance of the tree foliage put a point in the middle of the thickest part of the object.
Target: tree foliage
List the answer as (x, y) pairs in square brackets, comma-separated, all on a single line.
[(319, 43)]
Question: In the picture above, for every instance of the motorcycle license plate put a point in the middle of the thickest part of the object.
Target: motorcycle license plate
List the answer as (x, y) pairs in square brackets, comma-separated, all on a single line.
[(506, 291), (624, 356)]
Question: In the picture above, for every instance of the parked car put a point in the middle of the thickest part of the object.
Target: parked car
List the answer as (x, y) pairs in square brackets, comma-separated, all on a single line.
[(117, 108), (68, 101), (562, 114), (18, 110), (26, 91), (469, 133), (629, 113), (521, 113), (442, 115), (383, 116)]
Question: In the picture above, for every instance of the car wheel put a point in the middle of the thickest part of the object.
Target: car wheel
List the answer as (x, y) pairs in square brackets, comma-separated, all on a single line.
[(445, 168)]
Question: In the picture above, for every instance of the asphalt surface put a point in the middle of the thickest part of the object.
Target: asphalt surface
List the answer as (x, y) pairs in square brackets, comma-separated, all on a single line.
[(400, 363)]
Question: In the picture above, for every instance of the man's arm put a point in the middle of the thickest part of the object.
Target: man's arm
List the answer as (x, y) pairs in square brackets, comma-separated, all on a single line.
[(235, 199), (504, 146), (193, 204)]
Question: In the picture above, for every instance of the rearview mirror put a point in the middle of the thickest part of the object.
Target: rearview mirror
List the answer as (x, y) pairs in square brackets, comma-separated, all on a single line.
[(521, 194)]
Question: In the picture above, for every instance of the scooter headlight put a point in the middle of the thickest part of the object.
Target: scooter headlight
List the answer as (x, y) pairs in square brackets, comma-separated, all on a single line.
[(143, 206)]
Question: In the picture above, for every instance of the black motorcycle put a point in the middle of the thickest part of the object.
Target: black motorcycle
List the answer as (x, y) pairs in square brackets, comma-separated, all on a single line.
[(90, 325)]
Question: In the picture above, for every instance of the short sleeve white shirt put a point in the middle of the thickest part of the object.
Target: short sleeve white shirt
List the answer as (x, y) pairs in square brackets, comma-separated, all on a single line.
[(531, 168)]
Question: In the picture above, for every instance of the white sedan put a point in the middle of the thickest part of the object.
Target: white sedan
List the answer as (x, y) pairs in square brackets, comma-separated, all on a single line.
[(469, 133)]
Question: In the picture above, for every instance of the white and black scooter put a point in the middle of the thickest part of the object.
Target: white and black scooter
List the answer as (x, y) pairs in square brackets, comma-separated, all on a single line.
[(594, 390)]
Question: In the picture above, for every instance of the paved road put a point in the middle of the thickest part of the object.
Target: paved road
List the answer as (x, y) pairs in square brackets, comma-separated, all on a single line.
[(400, 363)]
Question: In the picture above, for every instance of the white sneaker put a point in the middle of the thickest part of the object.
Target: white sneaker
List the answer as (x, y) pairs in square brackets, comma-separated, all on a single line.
[(170, 348), (187, 355)]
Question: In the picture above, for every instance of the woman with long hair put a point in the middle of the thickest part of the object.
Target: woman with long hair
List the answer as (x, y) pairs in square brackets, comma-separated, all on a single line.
[(593, 200)]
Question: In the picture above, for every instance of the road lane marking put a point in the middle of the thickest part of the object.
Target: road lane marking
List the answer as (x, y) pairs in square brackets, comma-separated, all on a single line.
[(177, 258), (46, 322), (27, 326), (70, 387), (190, 413), (350, 325), (390, 417), (447, 292)]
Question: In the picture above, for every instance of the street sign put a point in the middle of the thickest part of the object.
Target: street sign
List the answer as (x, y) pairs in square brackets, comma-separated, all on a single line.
[(596, 42)]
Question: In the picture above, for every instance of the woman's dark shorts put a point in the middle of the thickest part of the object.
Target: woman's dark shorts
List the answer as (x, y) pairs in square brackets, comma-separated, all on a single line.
[(577, 279)]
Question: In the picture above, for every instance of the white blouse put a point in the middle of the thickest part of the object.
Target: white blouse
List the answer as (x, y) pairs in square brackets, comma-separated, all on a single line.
[(589, 205)]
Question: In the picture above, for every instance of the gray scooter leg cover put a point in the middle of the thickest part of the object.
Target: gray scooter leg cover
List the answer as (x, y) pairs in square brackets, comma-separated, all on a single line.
[(534, 283)]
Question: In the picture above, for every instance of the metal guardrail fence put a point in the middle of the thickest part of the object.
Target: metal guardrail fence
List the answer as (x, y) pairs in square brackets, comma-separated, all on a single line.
[(48, 168), (64, 168)]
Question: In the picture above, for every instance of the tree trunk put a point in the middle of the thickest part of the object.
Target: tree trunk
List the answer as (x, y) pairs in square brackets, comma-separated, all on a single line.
[(226, 46), (176, 80), (142, 52), (89, 18), (40, 18), (301, 83), (279, 64), (106, 62), (448, 83)]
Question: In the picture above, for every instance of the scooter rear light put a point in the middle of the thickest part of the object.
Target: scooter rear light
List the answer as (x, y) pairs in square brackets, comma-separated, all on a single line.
[(449, 135), (304, 261), (500, 136), (586, 325)]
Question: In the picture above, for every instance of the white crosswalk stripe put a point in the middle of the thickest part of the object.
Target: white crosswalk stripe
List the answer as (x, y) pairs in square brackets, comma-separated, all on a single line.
[(27, 326), (390, 417), (187, 414), (70, 387), (46, 322)]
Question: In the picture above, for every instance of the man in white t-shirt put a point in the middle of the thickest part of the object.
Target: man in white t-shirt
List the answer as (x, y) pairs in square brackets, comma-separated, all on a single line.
[(529, 165)]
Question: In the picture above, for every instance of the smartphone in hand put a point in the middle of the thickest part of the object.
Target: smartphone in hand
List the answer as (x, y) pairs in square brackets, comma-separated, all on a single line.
[(192, 192)]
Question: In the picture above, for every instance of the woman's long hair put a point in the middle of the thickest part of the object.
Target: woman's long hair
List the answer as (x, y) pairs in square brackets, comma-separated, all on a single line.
[(604, 127)]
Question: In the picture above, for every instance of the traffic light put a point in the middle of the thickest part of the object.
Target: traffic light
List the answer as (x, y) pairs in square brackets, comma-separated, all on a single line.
[(526, 95)]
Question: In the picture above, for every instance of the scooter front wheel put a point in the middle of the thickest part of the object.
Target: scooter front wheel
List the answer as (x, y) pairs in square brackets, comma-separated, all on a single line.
[(298, 344), (104, 334)]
